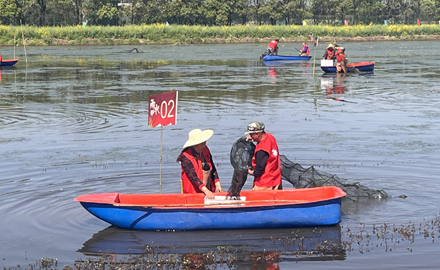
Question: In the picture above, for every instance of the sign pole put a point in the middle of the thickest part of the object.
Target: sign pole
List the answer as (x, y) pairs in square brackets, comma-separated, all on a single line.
[(162, 112), (160, 160)]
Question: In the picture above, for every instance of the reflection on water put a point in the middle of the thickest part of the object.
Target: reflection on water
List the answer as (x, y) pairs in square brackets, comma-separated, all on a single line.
[(334, 86), (235, 246)]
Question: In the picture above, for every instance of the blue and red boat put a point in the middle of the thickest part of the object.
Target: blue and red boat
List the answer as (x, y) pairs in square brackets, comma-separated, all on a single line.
[(287, 208), (329, 66), (8, 62), (286, 57)]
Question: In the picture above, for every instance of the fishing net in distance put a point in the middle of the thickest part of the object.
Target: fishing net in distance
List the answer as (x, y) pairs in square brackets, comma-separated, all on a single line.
[(241, 157)]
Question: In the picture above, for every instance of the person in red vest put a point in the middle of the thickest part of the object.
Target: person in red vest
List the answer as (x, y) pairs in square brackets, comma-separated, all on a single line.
[(329, 52), (341, 65), (305, 50), (266, 161), (272, 47), (199, 174)]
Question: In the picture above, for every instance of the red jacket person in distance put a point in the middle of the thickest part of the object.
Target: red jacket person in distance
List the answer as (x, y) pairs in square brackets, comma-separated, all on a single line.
[(305, 50), (272, 47), (266, 160), (199, 174)]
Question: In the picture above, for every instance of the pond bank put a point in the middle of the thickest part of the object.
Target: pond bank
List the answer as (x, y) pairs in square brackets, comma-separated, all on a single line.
[(166, 41)]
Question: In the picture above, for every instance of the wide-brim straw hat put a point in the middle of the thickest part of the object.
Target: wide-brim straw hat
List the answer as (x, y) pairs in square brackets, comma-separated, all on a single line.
[(330, 45), (197, 136)]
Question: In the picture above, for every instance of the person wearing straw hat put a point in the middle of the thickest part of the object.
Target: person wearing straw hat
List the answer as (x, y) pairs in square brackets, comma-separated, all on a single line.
[(329, 52), (266, 161), (199, 174)]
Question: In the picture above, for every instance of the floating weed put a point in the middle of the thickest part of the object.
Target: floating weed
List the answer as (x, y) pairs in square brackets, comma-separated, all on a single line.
[(389, 236)]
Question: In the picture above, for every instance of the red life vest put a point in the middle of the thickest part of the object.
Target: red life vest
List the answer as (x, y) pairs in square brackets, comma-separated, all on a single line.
[(273, 44), (272, 172), (340, 56), (330, 53), (307, 51), (188, 186)]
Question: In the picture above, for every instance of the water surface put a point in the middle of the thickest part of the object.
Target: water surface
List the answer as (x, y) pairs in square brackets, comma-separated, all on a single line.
[(74, 121)]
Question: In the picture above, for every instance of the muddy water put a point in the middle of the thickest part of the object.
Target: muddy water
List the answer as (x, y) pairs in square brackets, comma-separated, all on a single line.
[(74, 120)]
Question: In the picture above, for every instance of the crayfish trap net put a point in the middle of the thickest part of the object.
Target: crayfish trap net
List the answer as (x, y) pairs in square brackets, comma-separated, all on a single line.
[(241, 158)]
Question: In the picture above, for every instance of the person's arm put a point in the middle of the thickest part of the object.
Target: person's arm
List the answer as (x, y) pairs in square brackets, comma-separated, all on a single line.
[(261, 157), (215, 177)]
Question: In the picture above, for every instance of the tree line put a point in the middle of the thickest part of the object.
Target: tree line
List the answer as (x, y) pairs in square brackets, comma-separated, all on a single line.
[(216, 12)]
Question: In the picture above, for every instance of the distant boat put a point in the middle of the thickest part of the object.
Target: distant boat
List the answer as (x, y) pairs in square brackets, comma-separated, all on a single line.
[(8, 62), (286, 57), (287, 208), (329, 66)]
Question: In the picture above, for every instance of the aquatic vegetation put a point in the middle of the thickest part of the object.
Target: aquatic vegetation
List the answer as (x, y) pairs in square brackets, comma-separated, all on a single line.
[(388, 237)]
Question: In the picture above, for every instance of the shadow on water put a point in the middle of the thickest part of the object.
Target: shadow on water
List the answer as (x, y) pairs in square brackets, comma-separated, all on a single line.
[(230, 247)]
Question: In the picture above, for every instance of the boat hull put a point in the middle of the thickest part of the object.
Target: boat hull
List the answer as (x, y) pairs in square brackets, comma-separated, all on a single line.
[(361, 66), (285, 57), (8, 62), (256, 213)]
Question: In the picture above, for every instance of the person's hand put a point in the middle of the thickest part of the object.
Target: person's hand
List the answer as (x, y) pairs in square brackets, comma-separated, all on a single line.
[(218, 187), (251, 172), (248, 137), (209, 194)]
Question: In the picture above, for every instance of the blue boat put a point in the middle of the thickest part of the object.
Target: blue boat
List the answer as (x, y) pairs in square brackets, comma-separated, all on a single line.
[(288, 208), (286, 57), (353, 67)]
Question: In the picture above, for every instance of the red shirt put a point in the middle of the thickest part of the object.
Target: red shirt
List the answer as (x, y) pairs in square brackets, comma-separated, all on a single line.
[(272, 172)]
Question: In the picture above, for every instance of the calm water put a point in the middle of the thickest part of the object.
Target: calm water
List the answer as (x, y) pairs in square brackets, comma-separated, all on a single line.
[(74, 121)]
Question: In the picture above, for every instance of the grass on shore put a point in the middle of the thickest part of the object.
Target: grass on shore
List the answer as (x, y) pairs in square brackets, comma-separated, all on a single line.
[(183, 34)]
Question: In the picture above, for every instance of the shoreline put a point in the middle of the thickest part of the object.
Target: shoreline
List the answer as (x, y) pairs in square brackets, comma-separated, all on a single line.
[(207, 41)]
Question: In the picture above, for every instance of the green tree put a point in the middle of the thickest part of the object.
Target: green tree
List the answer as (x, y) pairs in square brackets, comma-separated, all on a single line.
[(10, 11), (107, 14), (272, 11), (346, 7), (325, 11), (295, 11), (370, 11)]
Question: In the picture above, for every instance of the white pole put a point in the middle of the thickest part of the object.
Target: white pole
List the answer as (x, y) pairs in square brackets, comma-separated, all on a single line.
[(24, 43)]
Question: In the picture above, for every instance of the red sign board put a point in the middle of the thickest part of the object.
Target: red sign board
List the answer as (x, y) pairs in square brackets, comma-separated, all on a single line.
[(163, 109)]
